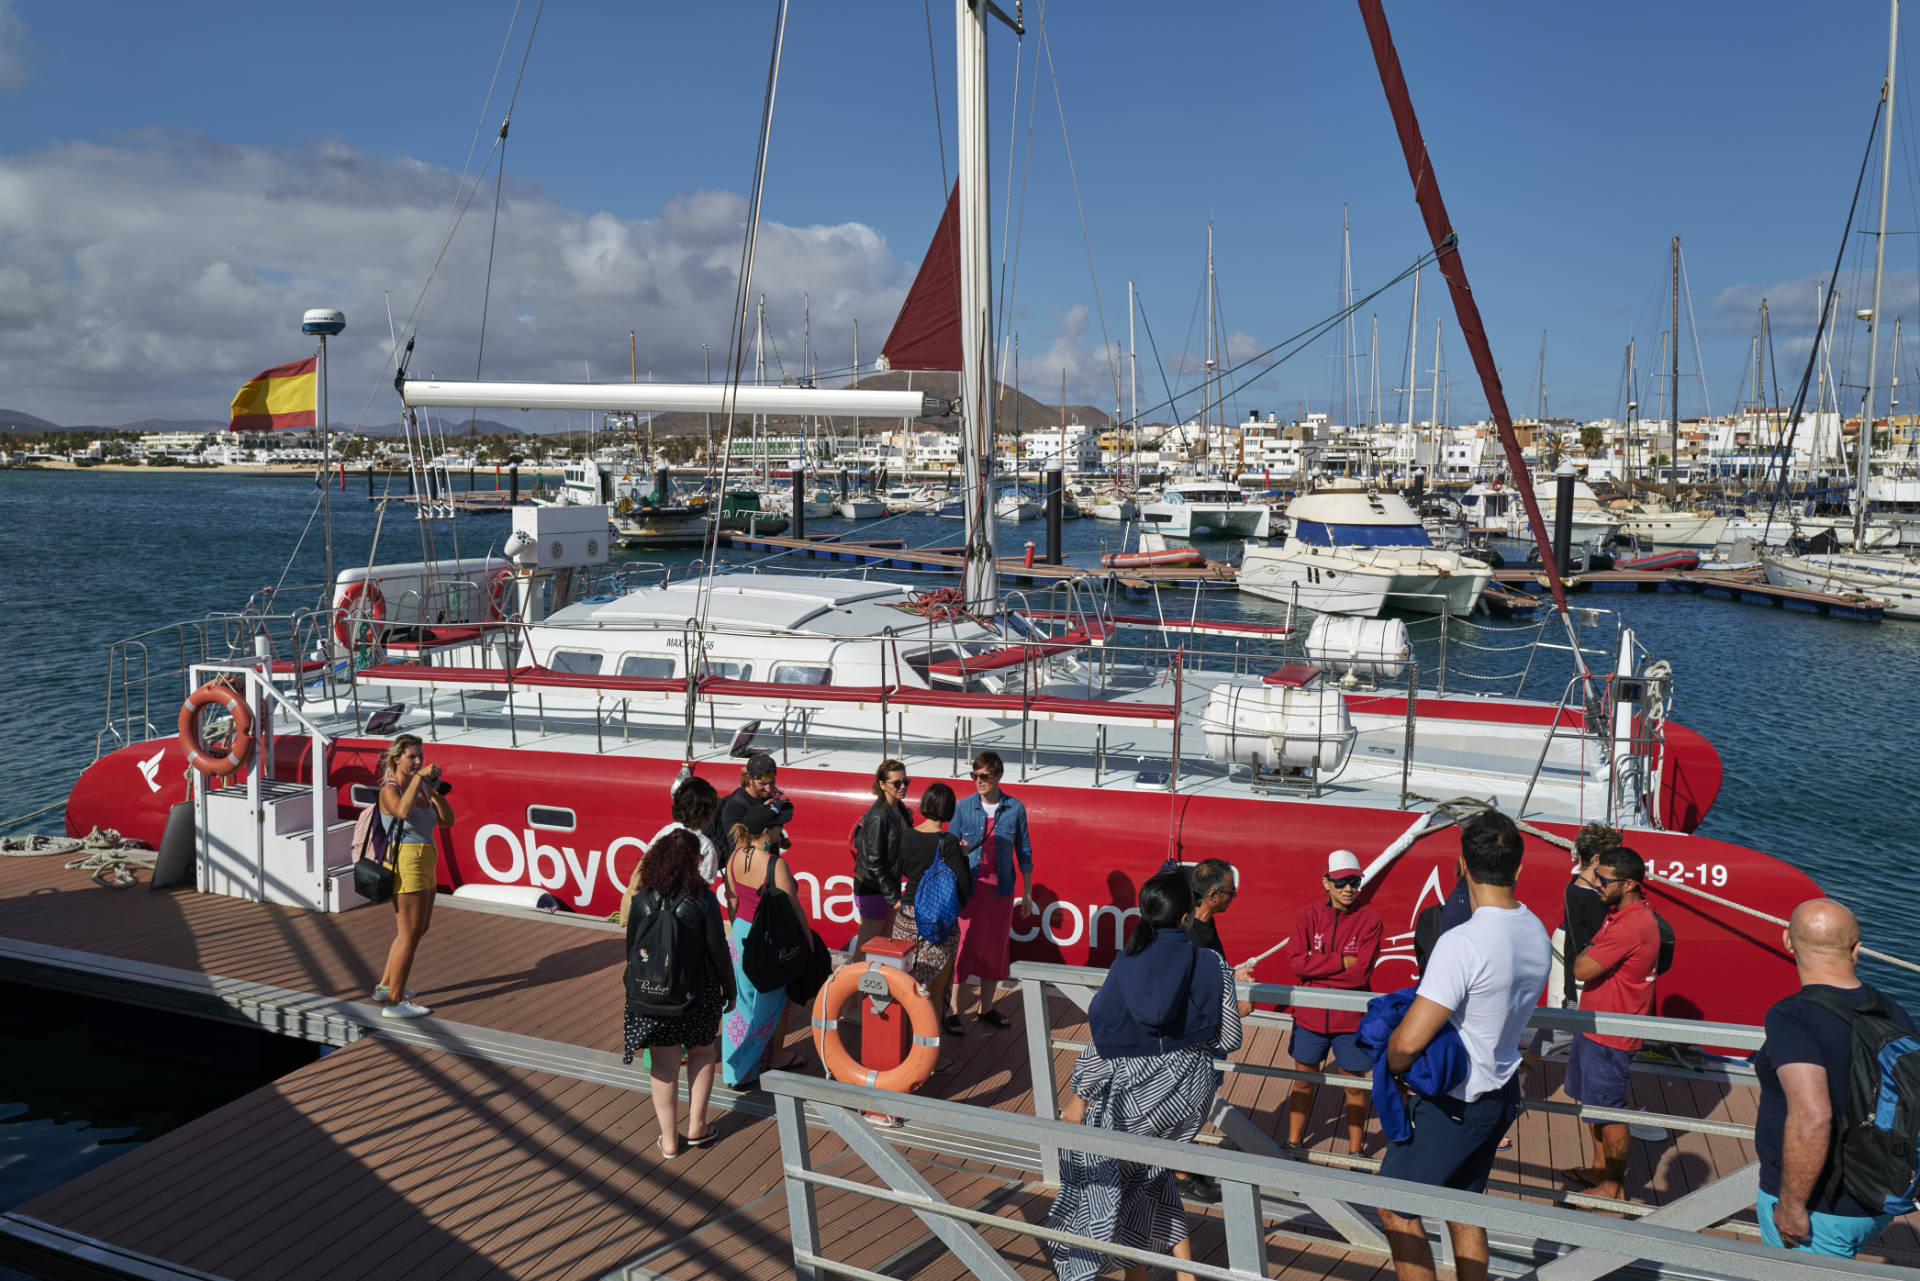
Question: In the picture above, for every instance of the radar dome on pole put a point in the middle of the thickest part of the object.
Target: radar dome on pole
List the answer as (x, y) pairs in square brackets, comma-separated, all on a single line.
[(325, 321)]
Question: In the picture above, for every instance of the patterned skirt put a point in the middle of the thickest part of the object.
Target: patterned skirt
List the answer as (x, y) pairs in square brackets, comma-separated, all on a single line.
[(1163, 1095), (698, 1026), (927, 962)]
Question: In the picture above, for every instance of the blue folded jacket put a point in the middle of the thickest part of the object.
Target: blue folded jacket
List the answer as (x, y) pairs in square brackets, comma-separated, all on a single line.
[(1440, 1067)]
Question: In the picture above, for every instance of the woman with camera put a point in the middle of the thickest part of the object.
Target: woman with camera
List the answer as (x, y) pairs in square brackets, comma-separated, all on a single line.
[(413, 801)]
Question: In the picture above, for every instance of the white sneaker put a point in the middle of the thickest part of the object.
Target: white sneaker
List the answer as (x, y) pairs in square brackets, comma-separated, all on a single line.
[(405, 1010), (380, 995)]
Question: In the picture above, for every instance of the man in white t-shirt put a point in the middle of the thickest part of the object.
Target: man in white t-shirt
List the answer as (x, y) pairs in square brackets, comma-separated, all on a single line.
[(1485, 977)]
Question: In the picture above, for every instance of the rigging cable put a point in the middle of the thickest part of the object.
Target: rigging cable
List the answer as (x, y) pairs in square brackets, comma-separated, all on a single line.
[(1086, 239), (736, 336), (1826, 310)]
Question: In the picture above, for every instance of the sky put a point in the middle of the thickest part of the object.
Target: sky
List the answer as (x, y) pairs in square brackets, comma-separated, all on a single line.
[(178, 183)]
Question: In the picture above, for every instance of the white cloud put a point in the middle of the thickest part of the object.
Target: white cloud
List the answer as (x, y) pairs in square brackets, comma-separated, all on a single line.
[(151, 275), (17, 51)]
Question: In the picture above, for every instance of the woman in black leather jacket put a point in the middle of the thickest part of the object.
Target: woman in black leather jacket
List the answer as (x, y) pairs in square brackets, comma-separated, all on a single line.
[(876, 851)]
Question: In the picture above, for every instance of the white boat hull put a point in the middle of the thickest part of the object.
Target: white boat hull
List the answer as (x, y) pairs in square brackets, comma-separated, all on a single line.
[(1893, 579), (1223, 520), (1673, 531), (1017, 510), (1361, 583), (860, 508)]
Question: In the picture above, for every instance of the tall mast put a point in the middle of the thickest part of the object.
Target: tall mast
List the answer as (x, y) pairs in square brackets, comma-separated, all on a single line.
[(1133, 380), (981, 583), (1435, 447), (1206, 400), (1346, 353), (1673, 406), (1413, 378), (1865, 439), (759, 373)]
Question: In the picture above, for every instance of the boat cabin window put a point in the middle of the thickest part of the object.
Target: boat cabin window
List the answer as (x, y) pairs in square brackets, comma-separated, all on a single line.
[(363, 794), (648, 665), (802, 674), (550, 818), (576, 662), (1322, 534), (727, 670)]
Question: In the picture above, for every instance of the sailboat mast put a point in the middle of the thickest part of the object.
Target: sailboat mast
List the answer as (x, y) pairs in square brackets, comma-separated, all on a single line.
[(1206, 401), (1673, 406), (1413, 378), (1133, 380), (1436, 446), (1865, 439), (759, 375), (1346, 353), (981, 582)]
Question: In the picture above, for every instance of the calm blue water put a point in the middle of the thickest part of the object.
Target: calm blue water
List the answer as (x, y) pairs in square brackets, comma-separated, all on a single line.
[(1815, 718)]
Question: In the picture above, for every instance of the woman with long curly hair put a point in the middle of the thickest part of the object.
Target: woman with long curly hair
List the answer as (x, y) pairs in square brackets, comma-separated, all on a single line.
[(669, 881)]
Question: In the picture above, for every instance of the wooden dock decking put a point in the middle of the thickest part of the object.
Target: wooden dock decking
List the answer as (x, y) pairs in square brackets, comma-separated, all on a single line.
[(504, 1138), (1747, 587)]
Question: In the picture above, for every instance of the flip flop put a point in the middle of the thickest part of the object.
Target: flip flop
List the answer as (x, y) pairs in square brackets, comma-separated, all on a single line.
[(945, 1069), (1579, 1177), (661, 1143), (1506, 1144), (952, 1025), (705, 1140), (994, 1018)]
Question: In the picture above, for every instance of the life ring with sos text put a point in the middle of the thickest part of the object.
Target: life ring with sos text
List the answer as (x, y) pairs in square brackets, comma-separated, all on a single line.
[(913, 1072), (373, 606), (497, 588), (199, 755)]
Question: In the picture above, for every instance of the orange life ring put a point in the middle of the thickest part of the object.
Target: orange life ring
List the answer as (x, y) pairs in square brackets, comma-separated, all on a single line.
[(376, 608), (497, 593), (842, 1066), (198, 754)]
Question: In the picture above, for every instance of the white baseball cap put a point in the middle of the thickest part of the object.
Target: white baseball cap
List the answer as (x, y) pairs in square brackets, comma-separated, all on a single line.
[(1342, 861)]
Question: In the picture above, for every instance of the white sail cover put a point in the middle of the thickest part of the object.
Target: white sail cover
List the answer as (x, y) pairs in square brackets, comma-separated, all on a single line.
[(693, 398)]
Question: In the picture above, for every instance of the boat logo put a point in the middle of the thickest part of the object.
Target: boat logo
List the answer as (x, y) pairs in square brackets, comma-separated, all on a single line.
[(150, 769)]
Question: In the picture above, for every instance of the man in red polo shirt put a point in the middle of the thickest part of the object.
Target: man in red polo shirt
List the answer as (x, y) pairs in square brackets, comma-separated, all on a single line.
[(1617, 971)]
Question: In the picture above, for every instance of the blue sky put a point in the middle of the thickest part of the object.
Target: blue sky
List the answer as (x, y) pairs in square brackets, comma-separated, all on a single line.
[(177, 182)]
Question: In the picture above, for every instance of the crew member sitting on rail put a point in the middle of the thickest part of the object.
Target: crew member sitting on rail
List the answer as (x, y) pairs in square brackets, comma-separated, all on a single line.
[(1334, 944)]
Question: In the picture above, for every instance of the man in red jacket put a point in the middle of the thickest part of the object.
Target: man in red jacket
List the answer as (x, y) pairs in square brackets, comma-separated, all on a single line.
[(1334, 944)]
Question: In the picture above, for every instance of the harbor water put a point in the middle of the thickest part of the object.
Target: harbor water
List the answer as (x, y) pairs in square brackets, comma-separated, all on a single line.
[(1815, 719)]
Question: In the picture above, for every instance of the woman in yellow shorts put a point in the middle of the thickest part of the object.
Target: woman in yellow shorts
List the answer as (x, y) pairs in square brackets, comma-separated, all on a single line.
[(412, 800)]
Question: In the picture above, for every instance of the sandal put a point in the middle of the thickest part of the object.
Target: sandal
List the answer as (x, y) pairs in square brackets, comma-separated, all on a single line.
[(1579, 1178), (952, 1025), (945, 1069), (994, 1018), (661, 1143), (702, 1141)]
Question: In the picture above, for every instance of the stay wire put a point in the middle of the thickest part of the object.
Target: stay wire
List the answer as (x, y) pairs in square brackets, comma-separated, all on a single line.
[(1826, 310), (1086, 237), (743, 292), (933, 82)]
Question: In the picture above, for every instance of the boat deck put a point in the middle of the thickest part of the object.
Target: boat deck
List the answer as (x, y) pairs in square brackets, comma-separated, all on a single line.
[(504, 1138)]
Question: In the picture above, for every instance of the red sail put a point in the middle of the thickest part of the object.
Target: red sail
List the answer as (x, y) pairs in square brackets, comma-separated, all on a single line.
[(1426, 191), (926, 334)]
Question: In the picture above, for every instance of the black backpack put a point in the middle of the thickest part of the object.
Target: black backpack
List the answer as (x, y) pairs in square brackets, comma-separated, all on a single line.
[(1876, 1147), (666, 954), (777, 949), (1667, 944)]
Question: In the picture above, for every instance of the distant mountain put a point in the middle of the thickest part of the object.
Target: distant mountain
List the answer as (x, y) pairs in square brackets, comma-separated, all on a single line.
[(1010, 408), (12, 420), (173, 424)]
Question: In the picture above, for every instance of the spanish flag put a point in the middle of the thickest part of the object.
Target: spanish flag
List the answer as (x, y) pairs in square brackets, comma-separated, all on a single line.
[(279, 398)]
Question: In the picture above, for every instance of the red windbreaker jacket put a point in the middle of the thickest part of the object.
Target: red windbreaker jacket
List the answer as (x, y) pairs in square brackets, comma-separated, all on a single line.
[(1321, 937)]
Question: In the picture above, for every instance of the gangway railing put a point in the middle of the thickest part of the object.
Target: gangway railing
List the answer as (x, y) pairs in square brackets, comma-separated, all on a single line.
[(1077, 984), (1260, 1198)]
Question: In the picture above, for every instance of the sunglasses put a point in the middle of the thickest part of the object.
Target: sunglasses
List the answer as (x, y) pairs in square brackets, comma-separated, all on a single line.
[(1612, 880), (898, 782), (982, 776), (1345, 882)]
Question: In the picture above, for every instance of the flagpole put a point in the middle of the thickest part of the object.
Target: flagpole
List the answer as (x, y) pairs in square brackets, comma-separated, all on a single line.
[(324, 322)]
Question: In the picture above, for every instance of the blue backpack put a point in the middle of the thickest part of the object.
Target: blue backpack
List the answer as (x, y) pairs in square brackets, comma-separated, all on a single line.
[(936, 903)]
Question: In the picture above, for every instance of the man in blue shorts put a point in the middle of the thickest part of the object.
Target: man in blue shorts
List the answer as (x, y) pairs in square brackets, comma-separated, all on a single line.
[(1485, 978), (1615, 973), (1334, 944), (1803, 1091)]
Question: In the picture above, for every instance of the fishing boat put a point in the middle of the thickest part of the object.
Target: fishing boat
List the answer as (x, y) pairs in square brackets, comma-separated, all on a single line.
[(1355, 549)]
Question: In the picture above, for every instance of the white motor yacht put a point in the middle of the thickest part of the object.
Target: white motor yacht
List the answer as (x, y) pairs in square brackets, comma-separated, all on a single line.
[(1207, 506), (1356, 550), (1664, 529), (1892, 578)]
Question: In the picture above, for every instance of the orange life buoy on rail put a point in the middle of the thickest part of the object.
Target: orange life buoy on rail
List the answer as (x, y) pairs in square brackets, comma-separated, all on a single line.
[(497, 588), (842, 1066), (374, 607), (198, 754)]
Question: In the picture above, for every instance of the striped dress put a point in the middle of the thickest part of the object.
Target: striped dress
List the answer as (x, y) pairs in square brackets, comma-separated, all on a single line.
[(1163, 1095)]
